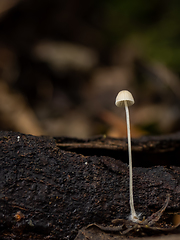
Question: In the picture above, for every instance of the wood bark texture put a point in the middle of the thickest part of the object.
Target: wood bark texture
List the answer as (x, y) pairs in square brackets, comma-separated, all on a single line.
[(50, 188)]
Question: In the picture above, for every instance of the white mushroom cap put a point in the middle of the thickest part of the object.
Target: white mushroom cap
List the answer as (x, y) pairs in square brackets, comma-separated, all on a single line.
[(124, 96)]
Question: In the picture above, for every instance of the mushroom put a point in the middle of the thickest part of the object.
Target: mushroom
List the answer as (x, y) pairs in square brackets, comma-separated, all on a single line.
[(125, 98)]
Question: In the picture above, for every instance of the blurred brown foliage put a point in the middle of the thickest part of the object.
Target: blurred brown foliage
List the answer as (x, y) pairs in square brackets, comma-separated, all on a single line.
[(63, 62)]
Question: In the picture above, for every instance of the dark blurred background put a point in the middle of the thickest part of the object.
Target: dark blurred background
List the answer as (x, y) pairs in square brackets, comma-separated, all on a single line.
[(62, 64)]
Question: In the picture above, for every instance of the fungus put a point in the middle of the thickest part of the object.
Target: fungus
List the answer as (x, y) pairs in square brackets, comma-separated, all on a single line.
[(125, 98)]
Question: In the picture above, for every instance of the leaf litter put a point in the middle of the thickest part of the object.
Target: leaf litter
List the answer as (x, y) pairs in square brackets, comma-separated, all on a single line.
[(121, 228)]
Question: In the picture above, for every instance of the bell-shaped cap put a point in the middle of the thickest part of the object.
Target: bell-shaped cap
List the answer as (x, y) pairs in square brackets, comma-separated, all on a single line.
[(124, 96)]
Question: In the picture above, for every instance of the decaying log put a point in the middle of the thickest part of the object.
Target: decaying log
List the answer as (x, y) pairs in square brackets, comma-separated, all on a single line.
[(52, 187), (157, 150)]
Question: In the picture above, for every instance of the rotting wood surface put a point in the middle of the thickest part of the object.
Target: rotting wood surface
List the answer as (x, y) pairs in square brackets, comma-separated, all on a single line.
[(52, 187)]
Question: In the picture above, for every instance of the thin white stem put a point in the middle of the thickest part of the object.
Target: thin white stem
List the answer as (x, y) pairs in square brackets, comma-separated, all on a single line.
[(131, 201)]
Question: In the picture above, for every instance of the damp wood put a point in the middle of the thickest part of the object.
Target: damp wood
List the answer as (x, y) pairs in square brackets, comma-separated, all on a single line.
[(50, 188)]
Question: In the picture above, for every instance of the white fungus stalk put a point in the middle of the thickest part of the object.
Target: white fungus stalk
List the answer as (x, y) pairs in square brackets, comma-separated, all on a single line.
[(125, 98), (131, 201)]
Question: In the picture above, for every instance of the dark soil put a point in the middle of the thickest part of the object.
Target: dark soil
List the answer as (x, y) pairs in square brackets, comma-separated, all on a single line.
[(48, 191)]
